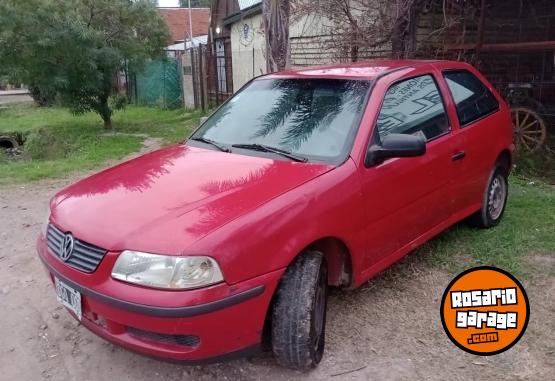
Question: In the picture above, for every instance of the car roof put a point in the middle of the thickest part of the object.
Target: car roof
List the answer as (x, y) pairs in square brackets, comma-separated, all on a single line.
[(354, 70)]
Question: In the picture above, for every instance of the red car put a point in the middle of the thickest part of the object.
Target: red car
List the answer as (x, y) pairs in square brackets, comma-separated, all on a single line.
[(302, 180)]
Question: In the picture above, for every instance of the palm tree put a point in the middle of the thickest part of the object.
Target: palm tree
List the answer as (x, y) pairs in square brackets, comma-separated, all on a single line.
[(305, 110)]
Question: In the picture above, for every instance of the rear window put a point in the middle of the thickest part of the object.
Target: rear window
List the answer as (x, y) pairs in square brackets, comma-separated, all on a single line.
[(472, 98)]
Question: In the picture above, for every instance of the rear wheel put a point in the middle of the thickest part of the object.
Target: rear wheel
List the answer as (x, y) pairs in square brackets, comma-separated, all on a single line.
[(299, 313), (494, 200)]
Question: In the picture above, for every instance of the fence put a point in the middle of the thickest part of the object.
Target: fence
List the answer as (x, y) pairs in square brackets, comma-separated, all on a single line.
[(207, 76), (159, 84)]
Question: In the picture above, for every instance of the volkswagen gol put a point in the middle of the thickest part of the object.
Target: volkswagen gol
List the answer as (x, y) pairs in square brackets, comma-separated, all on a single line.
[(302, 180)]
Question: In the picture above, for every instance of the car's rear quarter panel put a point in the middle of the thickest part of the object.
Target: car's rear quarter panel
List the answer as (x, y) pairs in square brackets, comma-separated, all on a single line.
[(483, 140)]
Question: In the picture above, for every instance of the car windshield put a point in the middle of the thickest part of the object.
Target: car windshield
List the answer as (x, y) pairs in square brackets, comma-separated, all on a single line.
[(315, 119)]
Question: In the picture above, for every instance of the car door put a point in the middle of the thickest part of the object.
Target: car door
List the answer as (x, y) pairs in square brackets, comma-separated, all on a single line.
[(407, 197), (480, 128)]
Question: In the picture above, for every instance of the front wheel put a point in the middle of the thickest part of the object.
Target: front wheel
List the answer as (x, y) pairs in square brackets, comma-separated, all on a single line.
[(494, 200), (299, 313)]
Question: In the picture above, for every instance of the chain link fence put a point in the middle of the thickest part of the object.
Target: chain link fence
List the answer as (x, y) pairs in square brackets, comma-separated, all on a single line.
[(159, 84)]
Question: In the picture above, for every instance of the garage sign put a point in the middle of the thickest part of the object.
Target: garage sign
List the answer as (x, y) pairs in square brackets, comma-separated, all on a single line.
[(485, 311)]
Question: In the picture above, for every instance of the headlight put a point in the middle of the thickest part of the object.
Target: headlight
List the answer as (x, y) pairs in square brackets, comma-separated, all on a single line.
[(165, 271)]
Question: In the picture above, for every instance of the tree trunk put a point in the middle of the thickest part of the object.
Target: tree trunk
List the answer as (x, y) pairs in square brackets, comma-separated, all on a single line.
[(108, 123), (276, 30), (398, 38), (410, 38), (403, 38), (105, 113), (354, 53), (354, 48)]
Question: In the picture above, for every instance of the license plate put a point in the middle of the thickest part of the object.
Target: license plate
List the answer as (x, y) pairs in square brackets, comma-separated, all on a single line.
[(69, 297)]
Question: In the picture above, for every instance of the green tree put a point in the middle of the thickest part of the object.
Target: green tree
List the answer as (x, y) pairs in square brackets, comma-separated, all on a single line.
[(74, 48)]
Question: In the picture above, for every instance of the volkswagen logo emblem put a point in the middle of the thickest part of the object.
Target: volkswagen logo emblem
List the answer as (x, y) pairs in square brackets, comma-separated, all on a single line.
[(67, 247)]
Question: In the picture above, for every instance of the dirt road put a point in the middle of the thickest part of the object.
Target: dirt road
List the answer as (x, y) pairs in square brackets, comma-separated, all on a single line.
[(388, 330), (14, 96)]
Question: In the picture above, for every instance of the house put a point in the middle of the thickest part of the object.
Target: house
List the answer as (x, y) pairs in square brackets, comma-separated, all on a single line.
[(511, 42), (239, 38), (177, 20), (236, 50), (246, 33), (175, 50), (160, 82), (219, 41)]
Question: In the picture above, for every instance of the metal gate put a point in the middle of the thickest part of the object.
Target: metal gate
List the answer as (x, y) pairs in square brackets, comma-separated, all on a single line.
[(211, 73)]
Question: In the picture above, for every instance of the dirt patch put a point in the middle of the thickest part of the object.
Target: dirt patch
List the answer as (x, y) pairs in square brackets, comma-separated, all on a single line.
[(149, 143), (14, 98), (541, 292), (387, 330)]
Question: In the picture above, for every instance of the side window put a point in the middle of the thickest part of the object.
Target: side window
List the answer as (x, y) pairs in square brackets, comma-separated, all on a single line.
[(413, 106), (472, 98)]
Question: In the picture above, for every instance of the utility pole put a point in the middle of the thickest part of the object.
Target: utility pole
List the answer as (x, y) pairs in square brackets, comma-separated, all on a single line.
[(190, 26)]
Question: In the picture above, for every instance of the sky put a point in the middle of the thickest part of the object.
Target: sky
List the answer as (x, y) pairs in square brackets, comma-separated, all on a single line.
[(168, 3)]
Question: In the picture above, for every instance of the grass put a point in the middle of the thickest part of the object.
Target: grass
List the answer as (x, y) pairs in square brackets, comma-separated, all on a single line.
[(59, 142), (540, 165), (527, 228)]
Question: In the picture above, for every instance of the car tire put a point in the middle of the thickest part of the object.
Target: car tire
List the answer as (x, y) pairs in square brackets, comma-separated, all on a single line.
[(494, 200), (299, 313)]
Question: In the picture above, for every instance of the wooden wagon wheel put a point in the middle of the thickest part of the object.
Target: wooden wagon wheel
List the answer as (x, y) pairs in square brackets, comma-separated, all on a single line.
[(529, 127)]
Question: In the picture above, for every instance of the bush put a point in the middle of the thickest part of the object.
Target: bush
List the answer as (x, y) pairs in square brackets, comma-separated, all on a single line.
[(118, 102), (538, 164), (46, 145), (42, 97)]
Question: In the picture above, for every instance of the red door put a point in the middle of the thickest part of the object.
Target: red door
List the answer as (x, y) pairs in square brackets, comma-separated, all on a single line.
[(481, 136), (406, 197)]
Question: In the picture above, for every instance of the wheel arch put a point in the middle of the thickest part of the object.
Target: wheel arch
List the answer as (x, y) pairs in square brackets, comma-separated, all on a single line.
[(505, 160), (338, 259), (340, 271)]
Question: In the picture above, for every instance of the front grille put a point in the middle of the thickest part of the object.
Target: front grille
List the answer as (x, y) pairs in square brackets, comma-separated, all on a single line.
[(184, 340), (84, 256)]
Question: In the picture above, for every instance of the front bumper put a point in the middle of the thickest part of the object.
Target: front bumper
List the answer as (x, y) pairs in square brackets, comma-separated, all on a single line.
[(194, 326)]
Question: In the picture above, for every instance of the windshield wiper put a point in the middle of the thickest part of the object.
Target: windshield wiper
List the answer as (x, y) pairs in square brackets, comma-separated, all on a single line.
[(219, 146), (265, 148)]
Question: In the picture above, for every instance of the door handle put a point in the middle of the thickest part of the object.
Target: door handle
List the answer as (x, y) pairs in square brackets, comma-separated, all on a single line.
[(458, 156)]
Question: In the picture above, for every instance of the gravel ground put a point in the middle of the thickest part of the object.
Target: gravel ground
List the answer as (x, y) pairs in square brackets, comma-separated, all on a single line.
[(387, 330)]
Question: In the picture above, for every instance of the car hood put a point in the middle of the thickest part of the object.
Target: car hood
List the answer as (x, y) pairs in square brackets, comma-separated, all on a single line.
[(164, 201)]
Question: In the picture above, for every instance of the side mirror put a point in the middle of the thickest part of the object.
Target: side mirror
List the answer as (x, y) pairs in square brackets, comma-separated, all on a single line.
[(203, 119), (395, 145)]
